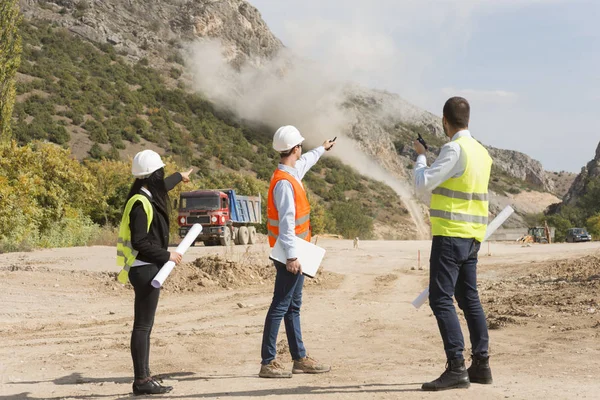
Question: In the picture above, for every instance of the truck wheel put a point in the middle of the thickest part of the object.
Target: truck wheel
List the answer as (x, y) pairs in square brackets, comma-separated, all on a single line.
[(226, 239), (243, 235), (234, 236), (252, 231)]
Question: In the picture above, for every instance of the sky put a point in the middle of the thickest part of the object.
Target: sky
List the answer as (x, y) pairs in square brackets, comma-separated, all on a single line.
[(529, 68)]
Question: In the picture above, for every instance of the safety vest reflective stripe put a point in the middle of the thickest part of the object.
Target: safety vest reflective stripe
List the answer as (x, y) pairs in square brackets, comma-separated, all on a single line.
[(126, 254), (299, 221), (303, 235), (459, 217), (455, 194)]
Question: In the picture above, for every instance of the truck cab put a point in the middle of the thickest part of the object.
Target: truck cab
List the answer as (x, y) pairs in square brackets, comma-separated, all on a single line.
[(224, 216)]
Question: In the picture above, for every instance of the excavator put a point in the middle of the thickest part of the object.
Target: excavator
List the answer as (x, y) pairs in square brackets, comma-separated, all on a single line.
[(538, 234)]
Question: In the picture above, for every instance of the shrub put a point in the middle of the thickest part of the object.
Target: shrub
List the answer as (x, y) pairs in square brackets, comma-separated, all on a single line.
[(351, 220), (175, 73), (97, 131), (41, 185)]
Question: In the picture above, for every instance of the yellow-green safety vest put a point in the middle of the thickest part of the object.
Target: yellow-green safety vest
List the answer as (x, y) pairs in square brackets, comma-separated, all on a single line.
[(126, 254), (459, 206)]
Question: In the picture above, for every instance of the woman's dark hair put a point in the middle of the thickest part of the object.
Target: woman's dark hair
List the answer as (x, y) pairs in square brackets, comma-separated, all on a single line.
[(156, 185)]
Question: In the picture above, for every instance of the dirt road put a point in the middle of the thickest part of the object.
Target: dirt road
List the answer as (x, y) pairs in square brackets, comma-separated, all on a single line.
[(65, 326)]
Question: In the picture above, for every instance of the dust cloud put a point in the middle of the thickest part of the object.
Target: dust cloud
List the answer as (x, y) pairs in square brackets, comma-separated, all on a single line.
[(288, 91)]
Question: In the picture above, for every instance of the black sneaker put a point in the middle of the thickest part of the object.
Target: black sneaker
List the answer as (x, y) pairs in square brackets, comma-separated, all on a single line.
[(480, 371), (455, 377), (150, 387)]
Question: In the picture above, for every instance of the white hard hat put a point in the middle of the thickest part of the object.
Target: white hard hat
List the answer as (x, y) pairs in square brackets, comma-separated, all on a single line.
[(286, 138), (145, 163)]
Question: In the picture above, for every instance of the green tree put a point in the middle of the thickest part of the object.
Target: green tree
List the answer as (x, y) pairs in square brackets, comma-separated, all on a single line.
[(317, 216), (352, 220), (10, 58), (589, 203), (593, 226), (562, 224)]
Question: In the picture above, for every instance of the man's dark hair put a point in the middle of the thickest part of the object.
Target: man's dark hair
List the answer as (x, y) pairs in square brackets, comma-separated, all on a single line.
[(289, 152), (457, 112)]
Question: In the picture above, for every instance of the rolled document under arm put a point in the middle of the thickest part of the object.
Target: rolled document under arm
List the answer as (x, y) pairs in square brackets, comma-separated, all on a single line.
[(185, 244), (492, 226)]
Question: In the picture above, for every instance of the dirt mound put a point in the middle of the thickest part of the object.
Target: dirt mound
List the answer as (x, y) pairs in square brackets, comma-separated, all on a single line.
[(386, 280), (215, 271), (550, 292)]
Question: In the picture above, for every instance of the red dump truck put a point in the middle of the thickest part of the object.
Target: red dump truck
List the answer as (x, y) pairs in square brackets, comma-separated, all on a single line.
[(225, 217)]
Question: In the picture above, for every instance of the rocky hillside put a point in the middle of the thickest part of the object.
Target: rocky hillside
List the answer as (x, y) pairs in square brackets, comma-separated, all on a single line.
[(156, 28), (562, 181), (155, 31), (588, 174), (102, 107), (581, 205), (386, 125)]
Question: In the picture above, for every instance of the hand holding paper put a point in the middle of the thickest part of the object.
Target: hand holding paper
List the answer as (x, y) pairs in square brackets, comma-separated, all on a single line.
[(185, 244), (309, 259)]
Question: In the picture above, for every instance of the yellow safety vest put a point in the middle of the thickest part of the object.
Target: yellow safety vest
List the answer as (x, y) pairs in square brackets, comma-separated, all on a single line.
[(459, 206), (126, 254)]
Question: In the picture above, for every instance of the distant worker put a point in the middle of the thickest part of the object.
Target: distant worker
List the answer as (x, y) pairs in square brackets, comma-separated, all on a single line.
[(142, 251), (288, 213), (458, 180), (356, 242)]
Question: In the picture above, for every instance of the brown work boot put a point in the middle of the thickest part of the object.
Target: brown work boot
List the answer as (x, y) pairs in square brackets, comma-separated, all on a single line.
[(308, 365), (274, 370)]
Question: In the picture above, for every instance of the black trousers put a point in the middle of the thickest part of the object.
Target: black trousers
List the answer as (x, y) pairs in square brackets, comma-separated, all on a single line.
[(146, 301), (453, 273)]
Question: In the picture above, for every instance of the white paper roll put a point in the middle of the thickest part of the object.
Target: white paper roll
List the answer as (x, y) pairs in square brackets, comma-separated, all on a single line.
[(492, 226), (185, 244), (498, 221)]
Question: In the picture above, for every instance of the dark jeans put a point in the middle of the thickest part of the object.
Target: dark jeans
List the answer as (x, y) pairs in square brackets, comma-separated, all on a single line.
[(453, 272), (146, 301), (287, 299)]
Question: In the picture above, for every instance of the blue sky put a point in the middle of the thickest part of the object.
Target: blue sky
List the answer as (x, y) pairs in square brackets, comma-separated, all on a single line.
[(530, 68)]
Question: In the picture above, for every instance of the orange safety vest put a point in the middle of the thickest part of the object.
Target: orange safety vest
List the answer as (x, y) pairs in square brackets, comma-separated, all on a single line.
[(302, 208)]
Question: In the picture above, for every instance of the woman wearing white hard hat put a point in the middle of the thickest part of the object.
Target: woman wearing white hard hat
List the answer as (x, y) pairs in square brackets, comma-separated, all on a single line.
[(142, 251)]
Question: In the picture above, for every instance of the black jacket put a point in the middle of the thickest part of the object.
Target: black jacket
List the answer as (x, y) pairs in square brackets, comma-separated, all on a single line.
[(152, 245)]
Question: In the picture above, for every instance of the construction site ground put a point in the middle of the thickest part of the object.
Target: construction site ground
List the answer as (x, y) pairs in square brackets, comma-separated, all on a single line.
[(65, 324)]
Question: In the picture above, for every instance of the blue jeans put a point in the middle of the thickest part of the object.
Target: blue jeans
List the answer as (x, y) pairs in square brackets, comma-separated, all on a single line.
[(453, 272), (287, 299)]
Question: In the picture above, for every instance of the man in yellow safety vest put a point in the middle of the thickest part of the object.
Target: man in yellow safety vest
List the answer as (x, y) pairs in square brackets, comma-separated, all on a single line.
[(458, 180)]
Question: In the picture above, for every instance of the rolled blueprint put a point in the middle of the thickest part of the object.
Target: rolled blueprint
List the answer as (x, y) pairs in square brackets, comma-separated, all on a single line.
[(492, 226), (185, 244)]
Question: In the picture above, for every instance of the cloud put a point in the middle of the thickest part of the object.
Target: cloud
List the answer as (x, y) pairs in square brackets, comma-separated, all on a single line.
[(483, 96)]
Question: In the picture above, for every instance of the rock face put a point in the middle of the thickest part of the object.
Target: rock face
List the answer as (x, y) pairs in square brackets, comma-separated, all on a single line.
[(589, 172), (153, 28), (375, 118), (521, 166)]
